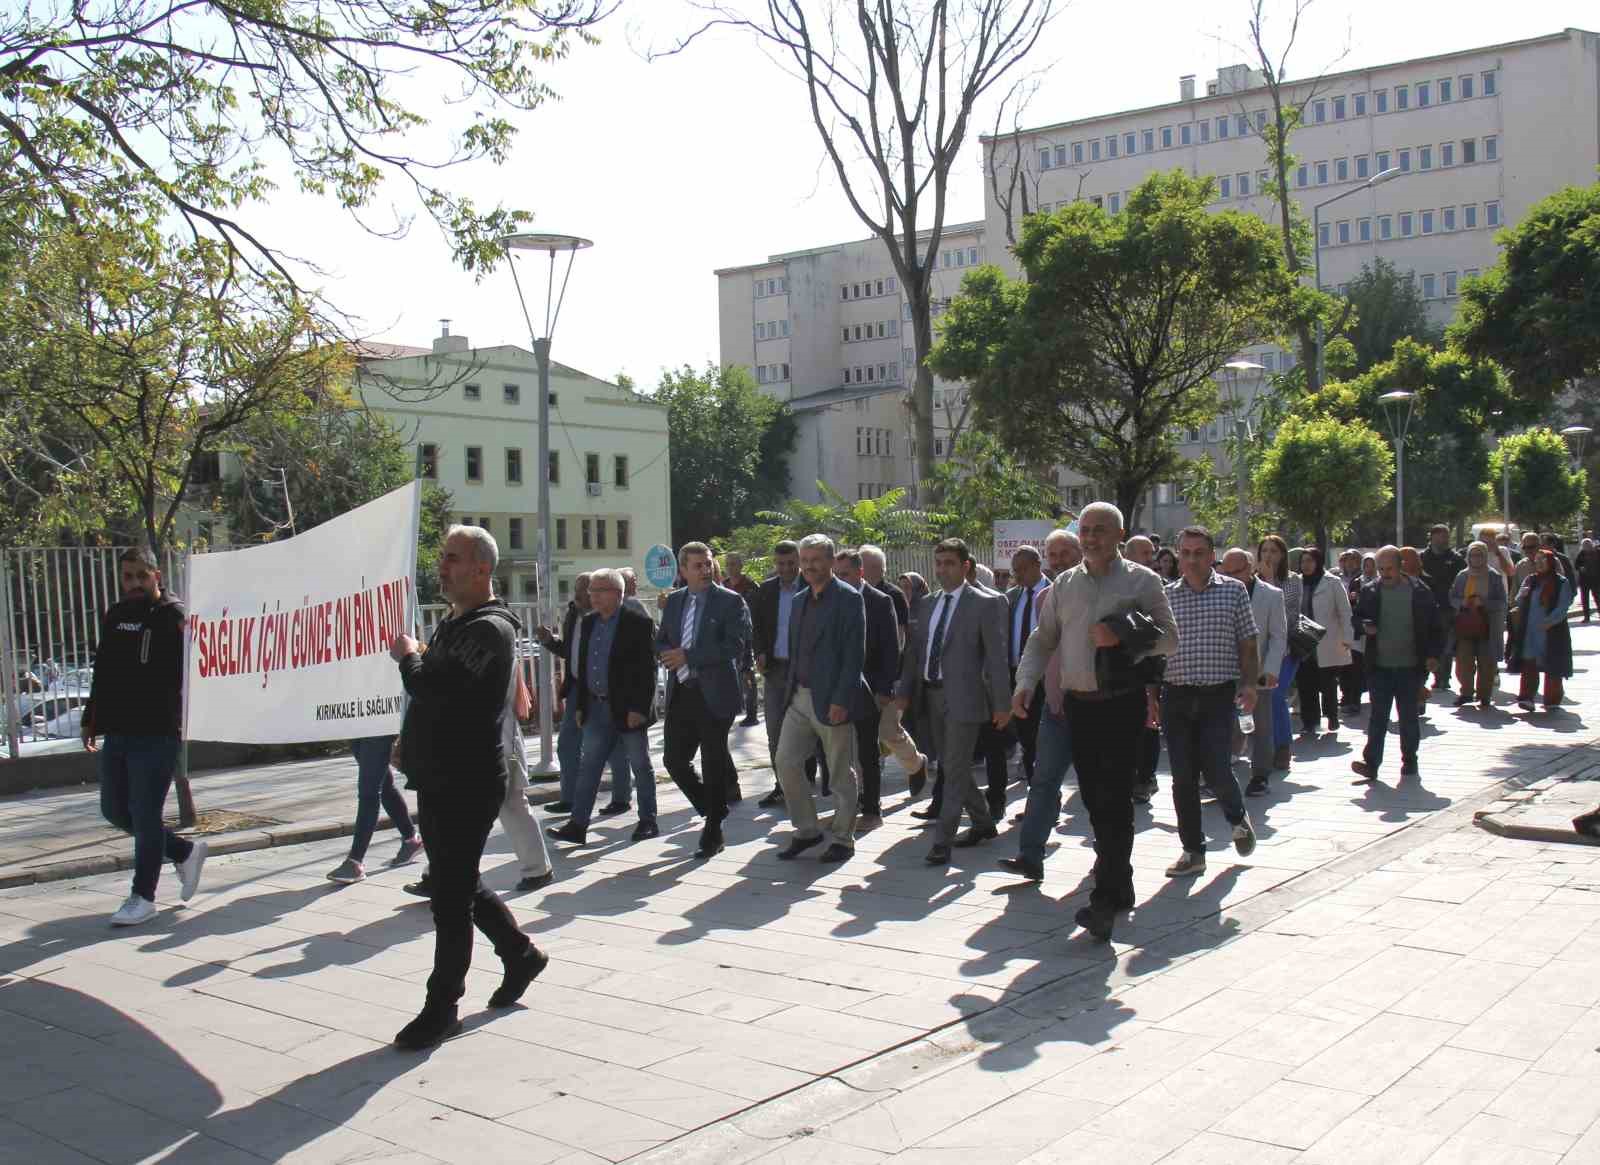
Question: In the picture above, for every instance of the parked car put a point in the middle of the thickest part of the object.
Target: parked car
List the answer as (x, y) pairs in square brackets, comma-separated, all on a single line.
[(67, 726)]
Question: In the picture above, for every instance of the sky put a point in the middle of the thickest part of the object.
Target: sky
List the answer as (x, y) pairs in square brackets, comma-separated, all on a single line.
[(677, 166)]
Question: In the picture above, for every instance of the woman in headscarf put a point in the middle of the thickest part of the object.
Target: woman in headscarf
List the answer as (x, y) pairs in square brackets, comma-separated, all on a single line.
[(1272, 566), (1541, 640), (1478, 600), (911, 583), (1323, 599)]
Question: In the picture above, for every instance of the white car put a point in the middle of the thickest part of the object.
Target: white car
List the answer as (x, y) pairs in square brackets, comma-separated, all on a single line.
[(67, 726)]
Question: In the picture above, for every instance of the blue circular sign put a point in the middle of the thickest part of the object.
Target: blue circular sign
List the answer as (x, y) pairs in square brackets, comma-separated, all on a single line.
[(660, 566)]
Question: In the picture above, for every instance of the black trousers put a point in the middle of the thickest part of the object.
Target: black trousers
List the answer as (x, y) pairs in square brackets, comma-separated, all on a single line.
[(455, 826), (1028, 729), (1149, 754), (869, 759), (1105, 744), (1352, 681), (692, 728), (1319, 694)]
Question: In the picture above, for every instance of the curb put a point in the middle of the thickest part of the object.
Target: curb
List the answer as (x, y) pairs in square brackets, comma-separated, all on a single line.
[(1491, 821)]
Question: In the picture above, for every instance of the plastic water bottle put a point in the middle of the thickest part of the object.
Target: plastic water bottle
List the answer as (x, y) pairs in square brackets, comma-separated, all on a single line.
[(1247, 722)]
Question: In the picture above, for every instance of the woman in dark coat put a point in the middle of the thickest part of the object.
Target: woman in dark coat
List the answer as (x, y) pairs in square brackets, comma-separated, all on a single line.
[(1541, 641)]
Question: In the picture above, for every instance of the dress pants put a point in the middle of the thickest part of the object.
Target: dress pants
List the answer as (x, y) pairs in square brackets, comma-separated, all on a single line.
[(1319, 694), (1149, 755), (1402, 688), (1027, 729), (1477, 666), (1044, 787), (456, 825), (693, 728), (803, 734), (893, 735), (522, 829), (1199, 720), (956, 741), (994, 746), (869, 762), (1105, 741)]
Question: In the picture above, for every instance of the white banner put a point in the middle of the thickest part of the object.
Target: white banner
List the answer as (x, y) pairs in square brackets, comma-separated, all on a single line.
[(1010, 533), (289, 641)]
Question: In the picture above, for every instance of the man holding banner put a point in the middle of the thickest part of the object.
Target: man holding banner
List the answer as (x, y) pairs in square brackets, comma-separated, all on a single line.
[(452, 750)]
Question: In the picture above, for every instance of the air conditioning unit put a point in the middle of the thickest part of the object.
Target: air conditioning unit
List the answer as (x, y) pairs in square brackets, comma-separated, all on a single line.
[(594, 489)]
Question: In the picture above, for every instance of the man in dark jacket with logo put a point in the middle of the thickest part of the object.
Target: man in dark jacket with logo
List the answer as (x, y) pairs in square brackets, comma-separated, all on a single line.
[(136, 702), (452, 750), (1440, 565), (1404, 640)]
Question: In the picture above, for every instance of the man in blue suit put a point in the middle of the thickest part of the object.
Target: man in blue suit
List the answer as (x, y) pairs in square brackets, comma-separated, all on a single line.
[(703, 634), (824, 693)]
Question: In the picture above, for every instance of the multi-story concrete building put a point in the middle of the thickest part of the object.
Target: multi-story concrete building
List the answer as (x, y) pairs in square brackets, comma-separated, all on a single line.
[(827, 331), (1477, 137), (472, 414)]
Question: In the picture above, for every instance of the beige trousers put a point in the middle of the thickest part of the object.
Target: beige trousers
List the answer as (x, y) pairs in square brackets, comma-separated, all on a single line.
[(797, 741)]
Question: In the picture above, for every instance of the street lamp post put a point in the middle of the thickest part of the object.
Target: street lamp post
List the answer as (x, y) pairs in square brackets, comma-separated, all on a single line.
[(1377, 179), (550, 245), (1241, 434), (1397, 408), (1577, 436)]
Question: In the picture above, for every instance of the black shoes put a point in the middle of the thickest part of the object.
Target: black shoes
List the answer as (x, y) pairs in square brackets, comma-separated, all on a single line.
[(536, 881), (1408, 769), (558, 807), (1027, 867), (929, 814), (749, 722), (645, 830), (735, 794), (1257, 787), (837, 852), (615, 807), (519, 973), (1463, 698), (421, 888), (939, 855), (798, 846), (569, 832), (772, 799), (1097, 920), (917, 780), (1363, 770), (434, 1024), (977, 835), (711, 843), (869, 811)]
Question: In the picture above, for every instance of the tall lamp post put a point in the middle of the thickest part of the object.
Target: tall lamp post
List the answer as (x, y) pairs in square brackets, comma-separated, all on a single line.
[(1397, 408), (1241, 434), (1577, 436), (1377, 179), (551, 246)]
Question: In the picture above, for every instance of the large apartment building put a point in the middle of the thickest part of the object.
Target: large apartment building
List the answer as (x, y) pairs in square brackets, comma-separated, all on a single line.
[(827, 331), (1477, 136), (472, 414)]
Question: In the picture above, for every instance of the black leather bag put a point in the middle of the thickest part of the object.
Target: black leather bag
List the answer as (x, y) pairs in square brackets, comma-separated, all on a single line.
[(1304, 638)]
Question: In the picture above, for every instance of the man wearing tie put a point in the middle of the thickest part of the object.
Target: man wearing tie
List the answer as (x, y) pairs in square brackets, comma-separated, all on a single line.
[(955, 660), (703, 634), (1024, 598)]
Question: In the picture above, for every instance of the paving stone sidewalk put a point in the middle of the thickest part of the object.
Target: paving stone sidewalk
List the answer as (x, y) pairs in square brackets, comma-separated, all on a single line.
[(747, 1008)]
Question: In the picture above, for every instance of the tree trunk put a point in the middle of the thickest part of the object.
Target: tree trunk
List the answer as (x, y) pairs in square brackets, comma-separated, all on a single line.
[(922, 389), (1322, 541)]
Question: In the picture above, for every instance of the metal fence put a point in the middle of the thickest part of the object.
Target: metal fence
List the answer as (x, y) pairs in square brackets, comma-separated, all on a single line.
[(919, 559)]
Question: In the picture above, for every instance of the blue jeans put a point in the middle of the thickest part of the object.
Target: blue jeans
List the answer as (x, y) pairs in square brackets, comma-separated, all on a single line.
[(1199, 723), (1400, 687), (602, 739), (1052, 757), (1282, 726), (135, 774), (631, 756), (569, 749), (375, 787)]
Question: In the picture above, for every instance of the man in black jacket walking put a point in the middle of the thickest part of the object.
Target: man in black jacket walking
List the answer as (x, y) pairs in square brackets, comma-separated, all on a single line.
[(1440, 565), (136, 702), (452, 751)]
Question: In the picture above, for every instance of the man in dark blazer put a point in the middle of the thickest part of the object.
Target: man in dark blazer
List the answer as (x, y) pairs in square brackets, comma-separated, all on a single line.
[(770, 619), (880, 668), (704, 630), (614, 689), (955, 667), (569, 738), (823, 696)]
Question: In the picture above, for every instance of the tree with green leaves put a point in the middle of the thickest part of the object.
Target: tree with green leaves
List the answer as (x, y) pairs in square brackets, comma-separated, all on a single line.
[(1114, 338), (983, 482), (1324, 472), (885, 520), (1549, 490), (1383, 307), (730, 445), (1534, 311)]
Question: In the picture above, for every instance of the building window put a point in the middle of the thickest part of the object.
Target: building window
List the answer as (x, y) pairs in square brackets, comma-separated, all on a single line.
[(1111, 146), (1424, 94), (1402, 97), (1466, 87), (1044, 164), (1223, 125), (1383, 160), (1149, 140), (599, 533), (1077, 154), (1404, 157), (1344, 232), (591, 468), (1359, 104), (1405, 224), (1364, 230), (1322, 235), (586, 534), (1243, 183), (1341, 170), (474, 462), (1469, 151), (1380, 100), (1429, 287), (515, 526), (1444, 89), (1491, 210), (511, 394), (1225, 186), (1166, 137), (1489, 83), (1322, 173), (1385, 226), (1427, 222), (1185, 134), (1044, 159), (565, 589), (1447, 218), (472, 392), (1338, 109), (1302, 176), (555, 467), (1205, 131), (1425, 157), (561, 533), (1491, 148), (1469, 217), (484, 523), (530, 588), (1128, 143), (1449, 284), (428, 461), (1261, 121), (619, 470), (624, 534), (1319, 112), (1447, 153), (972, 259), (1115, 203), (1363, 167), (1241, 124), (513, 466)]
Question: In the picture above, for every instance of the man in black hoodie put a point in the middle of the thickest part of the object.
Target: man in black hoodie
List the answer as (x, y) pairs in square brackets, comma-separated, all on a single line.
[(1440, 565), (452, 751), (136, 702)]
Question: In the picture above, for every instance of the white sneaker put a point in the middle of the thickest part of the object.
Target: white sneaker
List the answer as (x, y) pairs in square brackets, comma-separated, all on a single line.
[(1191, 863), (189, 870), (134, 911), (1244, 837)]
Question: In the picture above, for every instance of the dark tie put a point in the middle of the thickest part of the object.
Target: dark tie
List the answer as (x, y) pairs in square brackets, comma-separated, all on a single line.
[(1027, 624), (937, 649)]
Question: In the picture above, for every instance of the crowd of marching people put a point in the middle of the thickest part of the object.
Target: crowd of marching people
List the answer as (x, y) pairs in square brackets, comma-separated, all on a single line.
[(1093, 652)]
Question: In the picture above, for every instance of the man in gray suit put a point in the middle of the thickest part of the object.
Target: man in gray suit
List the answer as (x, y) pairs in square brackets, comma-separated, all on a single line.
[(956, 661), (823, 694), (1266, 601), (703, 634)]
